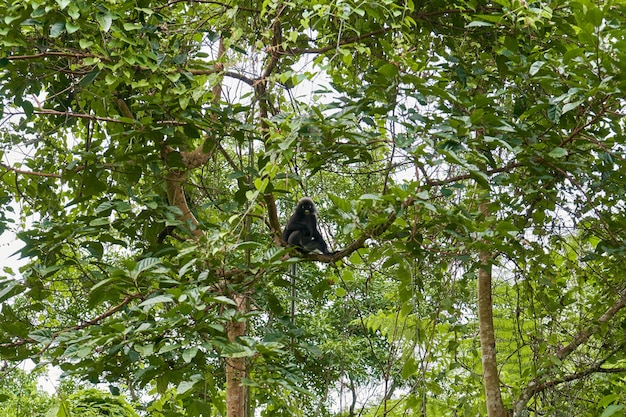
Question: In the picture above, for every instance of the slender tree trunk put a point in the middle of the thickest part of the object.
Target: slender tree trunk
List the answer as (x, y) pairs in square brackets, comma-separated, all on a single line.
[(353, 403), (491, 379), (236, 392)]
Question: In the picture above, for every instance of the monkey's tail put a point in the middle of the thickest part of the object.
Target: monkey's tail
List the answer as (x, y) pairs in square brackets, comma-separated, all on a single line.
[(293, 291)]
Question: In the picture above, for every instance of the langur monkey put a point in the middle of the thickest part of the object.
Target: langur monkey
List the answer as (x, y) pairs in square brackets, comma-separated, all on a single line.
[(302, 232)]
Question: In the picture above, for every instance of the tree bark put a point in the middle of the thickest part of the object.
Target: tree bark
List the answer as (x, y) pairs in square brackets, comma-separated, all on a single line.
[(491, 379), (236, 369)]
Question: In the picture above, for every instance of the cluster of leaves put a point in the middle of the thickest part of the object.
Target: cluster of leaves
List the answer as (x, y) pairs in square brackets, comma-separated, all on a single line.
[(19, 394), (146, 143)]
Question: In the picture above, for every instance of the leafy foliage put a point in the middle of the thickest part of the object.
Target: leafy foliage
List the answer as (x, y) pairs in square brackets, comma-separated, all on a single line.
[(92, 402), (19, 395), (153, 148)]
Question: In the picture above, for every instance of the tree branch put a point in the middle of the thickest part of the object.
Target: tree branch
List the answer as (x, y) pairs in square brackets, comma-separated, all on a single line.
[(340, 43), (360, 241), (508, 167), (78, 115), (272, 214), (585, 334), (217, 3), (31, 173), (76, 55), (535, 386), (81, 326)]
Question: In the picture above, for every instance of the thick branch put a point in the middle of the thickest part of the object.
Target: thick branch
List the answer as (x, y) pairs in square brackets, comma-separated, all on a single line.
[(360, 241), (76, 55), (585, 334), (176, 179), (31, 173), (272, 214), (176, 197), (578, 375), (535, 386), (275, 49), (486, 330)]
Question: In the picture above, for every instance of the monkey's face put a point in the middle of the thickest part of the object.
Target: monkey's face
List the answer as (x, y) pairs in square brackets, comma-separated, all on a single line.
[(306, 208)]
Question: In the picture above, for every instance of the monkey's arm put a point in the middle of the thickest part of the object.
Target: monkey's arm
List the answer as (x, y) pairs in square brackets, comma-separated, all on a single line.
[(317, 237)]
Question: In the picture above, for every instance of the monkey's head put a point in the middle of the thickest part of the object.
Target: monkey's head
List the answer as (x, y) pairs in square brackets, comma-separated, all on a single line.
[(306, 207)]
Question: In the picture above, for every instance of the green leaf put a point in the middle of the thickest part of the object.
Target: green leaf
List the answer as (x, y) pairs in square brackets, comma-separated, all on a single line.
[(608, 399), (57, 29), (554, 112), (102, 221), (388, 70), (374, 197), (347, 58), (95, 249), (83, 351), (123, 206), (85, 43), (409, 368), (103, 283), (56, 411), (145, 350), (570, 106), (63, 3), (146, 264), (478, 23), (89, 78), (168, 348), (132, 26), (480, 177), (159, 299), (340, 292), (612, 410), (43, 336), (189, 354), (558, 153), (224, 300), (9, 288), (572, 53), (28, 108), (185, 386), (104, 20), (535, 67), (8, 19), (71, 27)]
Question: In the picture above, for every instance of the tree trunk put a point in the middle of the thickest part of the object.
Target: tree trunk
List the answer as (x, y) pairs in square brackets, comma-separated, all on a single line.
[(491, 379), (236, 392)]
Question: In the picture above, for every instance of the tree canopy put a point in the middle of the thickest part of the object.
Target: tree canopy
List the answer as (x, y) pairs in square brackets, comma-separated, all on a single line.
[(467, 159)]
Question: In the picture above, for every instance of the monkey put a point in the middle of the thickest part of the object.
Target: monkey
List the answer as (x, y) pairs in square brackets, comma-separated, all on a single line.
[(301, 230)]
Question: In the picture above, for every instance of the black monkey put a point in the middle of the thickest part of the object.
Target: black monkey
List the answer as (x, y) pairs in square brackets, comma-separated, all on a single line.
[(301, 230)]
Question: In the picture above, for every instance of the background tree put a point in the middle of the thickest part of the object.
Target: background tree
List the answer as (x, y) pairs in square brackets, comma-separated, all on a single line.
[(19, 394), (155, 148), (92, 403)]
